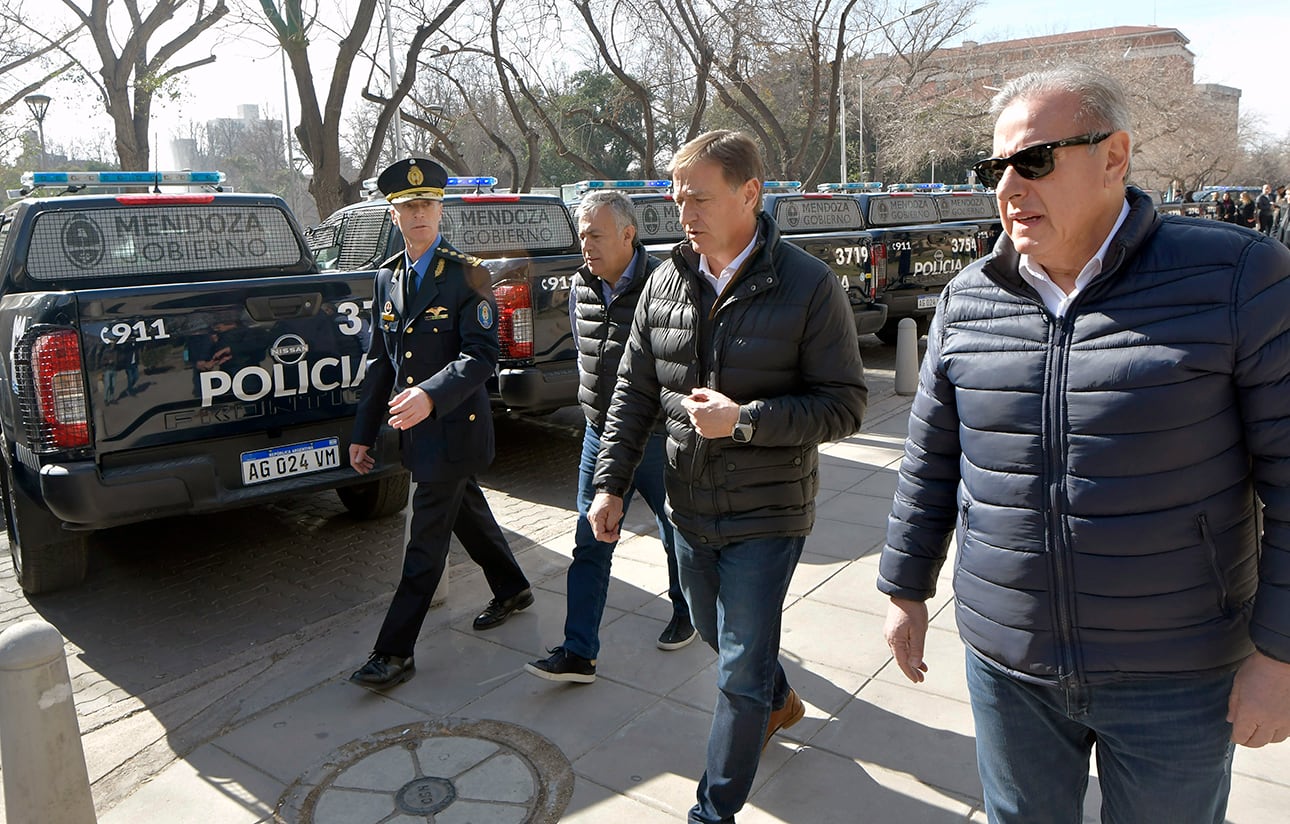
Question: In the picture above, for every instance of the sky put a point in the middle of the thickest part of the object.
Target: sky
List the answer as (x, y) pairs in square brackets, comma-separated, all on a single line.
[(1227, 39)]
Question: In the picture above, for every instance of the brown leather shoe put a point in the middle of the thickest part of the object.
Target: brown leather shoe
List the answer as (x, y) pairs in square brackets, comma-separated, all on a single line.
[(784, 717)]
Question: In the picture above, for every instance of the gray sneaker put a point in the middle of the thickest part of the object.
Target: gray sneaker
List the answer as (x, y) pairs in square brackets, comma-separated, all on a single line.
[(679, 633), (563, 666)]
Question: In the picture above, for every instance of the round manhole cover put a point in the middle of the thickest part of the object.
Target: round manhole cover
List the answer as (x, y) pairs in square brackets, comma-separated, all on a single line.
[(444, 772)]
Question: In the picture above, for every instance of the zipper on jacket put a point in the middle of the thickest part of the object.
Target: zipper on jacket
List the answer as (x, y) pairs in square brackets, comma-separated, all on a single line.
[(1061, 562), (1211, 551)]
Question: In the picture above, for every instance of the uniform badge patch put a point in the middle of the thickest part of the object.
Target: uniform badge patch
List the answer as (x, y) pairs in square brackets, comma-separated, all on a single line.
[(388, 313), (437, 313), (485, 313)]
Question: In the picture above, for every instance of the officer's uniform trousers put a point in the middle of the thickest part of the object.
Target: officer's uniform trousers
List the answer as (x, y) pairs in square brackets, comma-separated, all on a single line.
[(443, 339)]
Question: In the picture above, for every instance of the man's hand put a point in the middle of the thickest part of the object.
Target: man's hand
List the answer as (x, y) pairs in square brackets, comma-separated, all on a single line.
[(712, 413), (905, 631), (360, 458), (606, 516), (409, 408), (1259, 708)]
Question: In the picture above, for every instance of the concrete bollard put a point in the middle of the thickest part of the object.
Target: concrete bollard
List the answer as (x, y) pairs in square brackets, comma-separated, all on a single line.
[(906, 357), (45, 778)]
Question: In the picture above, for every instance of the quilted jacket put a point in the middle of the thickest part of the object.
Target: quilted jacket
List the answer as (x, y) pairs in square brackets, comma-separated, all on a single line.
[(1106, 472), (783, 342)]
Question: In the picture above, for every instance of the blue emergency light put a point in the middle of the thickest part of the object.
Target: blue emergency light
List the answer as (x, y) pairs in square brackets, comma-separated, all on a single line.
[(485, 180), (781, 185), (588, 185), (916, 187), (173, 178), (858, 186)]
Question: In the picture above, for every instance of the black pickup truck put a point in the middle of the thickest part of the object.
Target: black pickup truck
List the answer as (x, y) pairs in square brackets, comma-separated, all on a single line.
[(895, 239), (969, 204), (529, 245), (165, 354)]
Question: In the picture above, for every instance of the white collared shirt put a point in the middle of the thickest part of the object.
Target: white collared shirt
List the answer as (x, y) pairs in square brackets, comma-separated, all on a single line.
[(1054, 298), (721, 281)]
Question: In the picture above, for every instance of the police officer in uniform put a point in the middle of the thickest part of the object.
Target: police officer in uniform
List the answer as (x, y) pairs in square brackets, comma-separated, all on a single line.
[(434, 344)]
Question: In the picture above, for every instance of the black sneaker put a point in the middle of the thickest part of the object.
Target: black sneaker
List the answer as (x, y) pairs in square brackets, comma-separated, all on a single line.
[(679, 633), (564, 666)]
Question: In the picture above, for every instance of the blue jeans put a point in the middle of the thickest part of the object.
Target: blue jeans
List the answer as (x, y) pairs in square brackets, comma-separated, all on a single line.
[(1163, 747), (736, 594), (588, 578)]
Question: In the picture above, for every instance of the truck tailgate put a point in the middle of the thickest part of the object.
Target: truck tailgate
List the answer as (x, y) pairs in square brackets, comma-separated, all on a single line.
[(178, 363)]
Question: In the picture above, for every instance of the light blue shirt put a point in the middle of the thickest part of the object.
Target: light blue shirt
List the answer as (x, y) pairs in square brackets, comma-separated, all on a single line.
[(417, 270)]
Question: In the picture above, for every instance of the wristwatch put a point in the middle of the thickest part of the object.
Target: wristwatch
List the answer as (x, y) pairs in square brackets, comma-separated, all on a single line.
[(745, 426)]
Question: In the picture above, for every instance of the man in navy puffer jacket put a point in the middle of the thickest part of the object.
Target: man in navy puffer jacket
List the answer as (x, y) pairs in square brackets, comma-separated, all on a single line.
[(1102, 415)]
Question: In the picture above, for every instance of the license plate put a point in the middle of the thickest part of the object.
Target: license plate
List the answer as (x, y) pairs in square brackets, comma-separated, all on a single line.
[(927, 301), (286, 461)]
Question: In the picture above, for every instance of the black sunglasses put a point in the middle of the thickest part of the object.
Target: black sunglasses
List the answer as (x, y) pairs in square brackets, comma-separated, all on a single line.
[(1032, 162)]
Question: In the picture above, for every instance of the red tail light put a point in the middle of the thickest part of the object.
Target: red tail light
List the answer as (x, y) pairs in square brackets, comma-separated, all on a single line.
[(59, 389), (514, 320), (878, 256)]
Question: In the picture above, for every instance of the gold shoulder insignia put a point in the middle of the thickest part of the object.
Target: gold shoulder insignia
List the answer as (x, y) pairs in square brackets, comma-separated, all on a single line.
[(438, 269)]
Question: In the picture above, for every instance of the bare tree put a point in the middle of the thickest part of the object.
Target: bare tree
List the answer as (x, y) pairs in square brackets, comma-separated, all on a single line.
[(319, 132), (131, 69), (27, 60)]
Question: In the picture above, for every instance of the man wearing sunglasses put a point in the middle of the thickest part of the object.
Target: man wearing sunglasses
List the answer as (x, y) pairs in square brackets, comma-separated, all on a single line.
[(1102, 420)]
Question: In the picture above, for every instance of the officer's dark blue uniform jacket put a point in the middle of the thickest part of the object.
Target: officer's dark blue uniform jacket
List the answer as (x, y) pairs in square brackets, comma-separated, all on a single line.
[(443, 340)]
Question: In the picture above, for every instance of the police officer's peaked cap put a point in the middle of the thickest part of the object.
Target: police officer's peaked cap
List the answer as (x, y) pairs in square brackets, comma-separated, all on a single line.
[(415, 178)]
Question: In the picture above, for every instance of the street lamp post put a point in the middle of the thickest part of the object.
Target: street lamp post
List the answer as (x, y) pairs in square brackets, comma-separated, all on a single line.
[(842, 93), (932, 155), (39, 104)]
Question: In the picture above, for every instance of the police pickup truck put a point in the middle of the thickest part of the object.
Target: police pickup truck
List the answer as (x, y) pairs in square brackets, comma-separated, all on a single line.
[(970, 204), (660, 230), (904, 254), (168, 353), (527, 243)]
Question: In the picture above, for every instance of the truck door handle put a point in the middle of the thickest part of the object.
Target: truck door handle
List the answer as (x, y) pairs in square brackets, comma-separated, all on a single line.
[(281, 307)]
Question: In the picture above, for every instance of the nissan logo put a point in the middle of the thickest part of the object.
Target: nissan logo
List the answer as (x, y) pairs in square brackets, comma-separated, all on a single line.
[(289, 349)]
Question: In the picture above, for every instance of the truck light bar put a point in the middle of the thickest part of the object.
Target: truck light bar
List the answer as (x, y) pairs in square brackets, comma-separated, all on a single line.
[(866, 186), (485, 180), (780, 185), (172, 178), (916, 187), (588, 185)]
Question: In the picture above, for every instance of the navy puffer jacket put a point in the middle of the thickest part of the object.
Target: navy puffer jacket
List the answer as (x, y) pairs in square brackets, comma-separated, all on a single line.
[(1104, 470)]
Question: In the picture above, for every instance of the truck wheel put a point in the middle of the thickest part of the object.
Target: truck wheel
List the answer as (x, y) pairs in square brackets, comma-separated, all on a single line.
[(45, 556), (376, 499)]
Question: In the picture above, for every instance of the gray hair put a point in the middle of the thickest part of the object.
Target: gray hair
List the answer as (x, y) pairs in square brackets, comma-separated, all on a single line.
[(1103, 103), (617, 203), (1104, 106)]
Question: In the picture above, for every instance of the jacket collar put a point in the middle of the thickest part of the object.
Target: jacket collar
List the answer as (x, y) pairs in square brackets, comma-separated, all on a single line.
[(1139, 224), (683, 253)]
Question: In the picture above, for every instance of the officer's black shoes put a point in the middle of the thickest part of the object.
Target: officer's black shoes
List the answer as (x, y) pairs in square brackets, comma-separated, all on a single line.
[(385, 671), (679, 633), (564, 666), (496, 613)]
